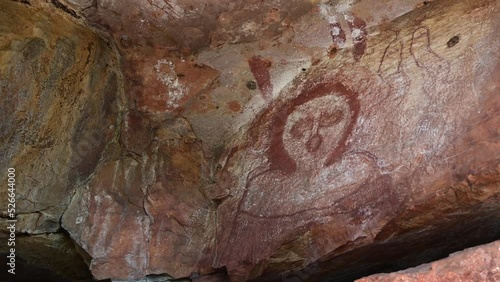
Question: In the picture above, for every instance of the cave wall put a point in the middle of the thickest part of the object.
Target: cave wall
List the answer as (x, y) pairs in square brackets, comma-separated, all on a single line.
[(366, 145), (267, 140), (61, 98), (60, 83)]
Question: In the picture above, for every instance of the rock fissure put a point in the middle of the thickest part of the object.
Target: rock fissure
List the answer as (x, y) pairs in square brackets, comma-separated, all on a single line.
[(64, 8)]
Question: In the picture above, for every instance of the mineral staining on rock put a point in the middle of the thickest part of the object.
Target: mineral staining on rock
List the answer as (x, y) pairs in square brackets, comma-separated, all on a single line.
[(396, 121), (145, 208), (258, 150), (59, 83)]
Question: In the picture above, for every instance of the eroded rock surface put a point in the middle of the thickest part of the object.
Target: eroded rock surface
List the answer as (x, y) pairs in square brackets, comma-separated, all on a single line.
[(60, 85), (274, 141), (474, 264), (140, 211), (348, 147)]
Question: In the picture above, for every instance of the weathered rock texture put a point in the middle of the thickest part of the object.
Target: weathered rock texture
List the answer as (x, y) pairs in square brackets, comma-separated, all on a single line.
[(357, 152), (140, 211), (60, 85), (475, 264), (272, 140)]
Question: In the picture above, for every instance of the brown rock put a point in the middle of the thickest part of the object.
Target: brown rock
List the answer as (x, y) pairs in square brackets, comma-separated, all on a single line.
[(386, 140), (162, 83), (136, 132), (60, 94), (348, 151), (139, 212), (475, 264)]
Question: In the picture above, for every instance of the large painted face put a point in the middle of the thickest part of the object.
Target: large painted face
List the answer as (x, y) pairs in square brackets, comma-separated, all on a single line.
[(314, 129)]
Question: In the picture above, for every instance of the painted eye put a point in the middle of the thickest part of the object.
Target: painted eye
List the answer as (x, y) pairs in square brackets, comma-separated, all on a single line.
[(300, 128), (328, 119)]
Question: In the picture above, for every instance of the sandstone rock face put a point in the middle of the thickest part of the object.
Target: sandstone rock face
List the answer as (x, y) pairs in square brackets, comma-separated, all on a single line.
[(194, 58), (275, 141), (60, 85), (349, 146), (474, 264), (141, 211)]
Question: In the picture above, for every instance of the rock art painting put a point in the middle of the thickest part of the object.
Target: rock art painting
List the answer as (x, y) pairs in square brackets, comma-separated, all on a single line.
[(306, 141), (338, 34), (320, 152), (260, 69), (391, 70), (301, 169), (346, 29), (251, 140), (358, 35)]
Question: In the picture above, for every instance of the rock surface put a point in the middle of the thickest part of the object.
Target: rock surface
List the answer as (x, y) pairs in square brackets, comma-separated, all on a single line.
[(475, 264), (272, 140), (140, 211), (52, 256), (357, 152), (60, 85)]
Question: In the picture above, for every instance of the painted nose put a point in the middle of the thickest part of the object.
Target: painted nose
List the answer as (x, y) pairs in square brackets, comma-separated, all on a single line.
[(314, 142)]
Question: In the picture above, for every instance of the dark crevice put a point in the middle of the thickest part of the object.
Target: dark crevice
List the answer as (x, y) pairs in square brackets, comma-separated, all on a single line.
[(93, 5), (26, 2), (219, 275), (37, 260), (400, 252), (64, 8)]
